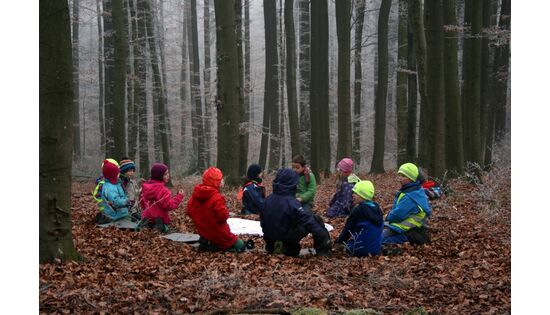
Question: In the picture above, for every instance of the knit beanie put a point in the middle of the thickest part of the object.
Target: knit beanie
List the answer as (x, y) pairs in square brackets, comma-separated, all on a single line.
[(364, 189), (212, 177), (409, 170), (110, 160), (126, 165), (345, 165), (110, 171), (158, 170), (253, 171)]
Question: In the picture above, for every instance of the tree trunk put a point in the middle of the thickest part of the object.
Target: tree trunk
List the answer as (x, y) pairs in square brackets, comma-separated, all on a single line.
[(320, 135), (55, 132), (474, 82), (357, 88), (453, 129), (243, 114), (228, 91), (377, 165), (304, 83), (207, 95), (401, 85), (108, 55), (119, 79), (195, 128), (101, 82), (275, 114), (131, 82), (76, 101), (140, 95), (291, 78), (485, 76), (196, 91), (435, 128), (247, 89), (183, 82), (159, 22), (343, 16), (412, 93)]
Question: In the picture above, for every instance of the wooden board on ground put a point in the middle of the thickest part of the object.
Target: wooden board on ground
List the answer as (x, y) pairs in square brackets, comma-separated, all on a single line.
[(182, 237), (124, 224)]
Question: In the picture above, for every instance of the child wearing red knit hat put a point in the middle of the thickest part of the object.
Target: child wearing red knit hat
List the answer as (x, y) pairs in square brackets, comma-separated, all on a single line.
[(156, 199), (114, 203), (207, 209)]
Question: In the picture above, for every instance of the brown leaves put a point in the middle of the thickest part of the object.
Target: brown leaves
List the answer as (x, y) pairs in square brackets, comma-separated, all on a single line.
[(466, 268)]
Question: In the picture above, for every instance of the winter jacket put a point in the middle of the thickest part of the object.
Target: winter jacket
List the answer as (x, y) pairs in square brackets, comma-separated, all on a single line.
[(131, 188), (306, 191), (283, 218), (207, 209), (156, 201), (342, 202), (363, 230), (410, 208), (114, 201), (253, 197)]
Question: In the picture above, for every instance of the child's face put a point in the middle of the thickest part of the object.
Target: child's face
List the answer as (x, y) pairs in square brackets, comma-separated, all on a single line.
[(166, 177), (404, 179), (356, 199), (297, 168), (130, 173)]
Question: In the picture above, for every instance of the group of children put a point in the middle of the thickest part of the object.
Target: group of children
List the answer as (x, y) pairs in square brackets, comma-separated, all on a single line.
[(286, 216)]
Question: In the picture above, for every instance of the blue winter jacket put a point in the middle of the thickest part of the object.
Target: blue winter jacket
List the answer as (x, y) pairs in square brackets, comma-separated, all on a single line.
[(114, 194), (253, 197), (342, 202), (407, 205), (362, 233), (283, 218)]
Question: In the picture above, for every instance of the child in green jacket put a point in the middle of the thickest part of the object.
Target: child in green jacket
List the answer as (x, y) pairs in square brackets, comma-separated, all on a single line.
[(305, 192)]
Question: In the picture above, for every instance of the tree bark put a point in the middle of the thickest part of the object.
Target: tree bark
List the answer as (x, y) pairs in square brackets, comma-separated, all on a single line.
[(108, 54), (228, 91), (291, 78), (119, 79), (485, 76), (76, 101), (247, 88), (55, 132), (357, 88), (377, 165), (101, 82), (195, 130), (207, 95), (343, 16), (401, 85), (453, 129), (276, 109), (412, 93), (183, 82), (304, 83), (243, 114), (140, 95)]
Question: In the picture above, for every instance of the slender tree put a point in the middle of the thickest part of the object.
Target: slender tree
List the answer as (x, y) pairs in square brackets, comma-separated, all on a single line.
[(343, 17), (228, 91), (140, 95), (76, 45), (243, 114), (357, 87), (402, 85), (100, 59), (109, 64), (453, 130), (320, 136), (195, 128), (55, 132), (131, 80), (119, 79), (247, 88), (275, 127), (304, 82), (184, 79), (206, 73), (485, 74), (377, 165), (291, 78), (412, 92)]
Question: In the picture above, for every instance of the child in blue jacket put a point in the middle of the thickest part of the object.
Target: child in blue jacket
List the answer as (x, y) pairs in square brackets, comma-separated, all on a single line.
[(410, 210), (114, 200), (253, 192), (362, 234), (342, 203), (284, 221)]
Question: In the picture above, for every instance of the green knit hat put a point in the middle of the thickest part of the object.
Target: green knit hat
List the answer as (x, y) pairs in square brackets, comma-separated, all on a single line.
[(364, 189), (409, 170)]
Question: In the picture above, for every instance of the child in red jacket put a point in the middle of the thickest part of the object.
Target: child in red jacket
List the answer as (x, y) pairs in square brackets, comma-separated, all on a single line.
[(207, 209), (156, 199)]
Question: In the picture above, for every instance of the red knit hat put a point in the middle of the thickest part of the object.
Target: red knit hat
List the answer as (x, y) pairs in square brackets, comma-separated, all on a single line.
[(212, 177), (110, 171), (158, 170)]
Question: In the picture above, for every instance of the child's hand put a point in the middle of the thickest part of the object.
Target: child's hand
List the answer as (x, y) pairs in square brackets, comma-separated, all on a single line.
[(299, 199)]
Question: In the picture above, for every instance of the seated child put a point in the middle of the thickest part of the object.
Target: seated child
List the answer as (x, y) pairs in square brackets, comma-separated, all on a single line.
[(410, 211), (156, 199), (129, 183), (114, 204), (285, 222), (207, 209), (253, 192), (307, 186), (362, 233), (96, 194), (342, 203)]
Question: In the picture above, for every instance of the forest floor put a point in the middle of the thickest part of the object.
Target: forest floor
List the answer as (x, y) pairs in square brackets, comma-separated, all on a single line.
[(465, 270)]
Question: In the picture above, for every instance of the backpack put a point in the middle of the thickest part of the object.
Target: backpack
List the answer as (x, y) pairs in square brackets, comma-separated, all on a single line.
[(432, 189), (96, 193)]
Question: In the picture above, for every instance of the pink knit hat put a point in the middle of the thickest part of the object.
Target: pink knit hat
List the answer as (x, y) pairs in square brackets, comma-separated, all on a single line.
[(345, 165)]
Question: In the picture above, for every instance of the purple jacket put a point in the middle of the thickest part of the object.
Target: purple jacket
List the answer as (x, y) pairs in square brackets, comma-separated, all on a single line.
[(341, 203)]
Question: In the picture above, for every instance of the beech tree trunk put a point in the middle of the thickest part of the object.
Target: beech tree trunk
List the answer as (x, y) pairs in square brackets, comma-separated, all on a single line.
[(119, 79), (412, 93), (304, 83), (140, 95), (401, 85), (108, 55), (357, 88), (76, 44), (343, 16), (207, 95), (243, 132), (291, 78), (101, 82)]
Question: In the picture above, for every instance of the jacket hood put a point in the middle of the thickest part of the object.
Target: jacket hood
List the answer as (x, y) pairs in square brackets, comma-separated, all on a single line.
[(285, 182), (203, 192), (151, 189)]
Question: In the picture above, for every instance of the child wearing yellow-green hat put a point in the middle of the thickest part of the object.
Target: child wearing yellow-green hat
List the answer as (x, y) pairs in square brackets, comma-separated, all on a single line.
[(362, 234)]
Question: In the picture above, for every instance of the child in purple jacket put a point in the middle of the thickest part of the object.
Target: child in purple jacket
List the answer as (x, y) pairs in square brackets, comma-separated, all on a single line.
[(342, 202)]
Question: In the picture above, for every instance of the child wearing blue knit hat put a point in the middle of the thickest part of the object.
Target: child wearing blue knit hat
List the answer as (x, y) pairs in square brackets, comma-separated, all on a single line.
[(129, 183)]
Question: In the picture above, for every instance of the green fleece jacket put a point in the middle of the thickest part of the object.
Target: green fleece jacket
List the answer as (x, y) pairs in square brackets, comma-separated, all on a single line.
[(304, 191)]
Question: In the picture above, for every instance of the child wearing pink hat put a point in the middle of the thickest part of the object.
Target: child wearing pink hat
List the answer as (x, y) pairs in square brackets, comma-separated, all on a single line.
[(342, 202)]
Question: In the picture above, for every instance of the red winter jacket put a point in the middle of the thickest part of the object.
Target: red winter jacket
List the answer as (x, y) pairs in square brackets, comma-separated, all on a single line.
[(207, 209), (156, 201)]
